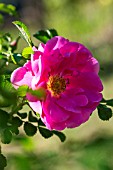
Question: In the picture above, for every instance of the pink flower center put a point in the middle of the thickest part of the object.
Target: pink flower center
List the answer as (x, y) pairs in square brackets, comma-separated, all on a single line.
[(56, 85)]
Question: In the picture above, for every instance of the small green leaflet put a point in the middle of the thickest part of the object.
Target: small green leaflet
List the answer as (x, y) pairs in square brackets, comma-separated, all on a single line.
[(30, 129), (27, 51), (40, 93), (24, 31), (104, 112), (22, 90)]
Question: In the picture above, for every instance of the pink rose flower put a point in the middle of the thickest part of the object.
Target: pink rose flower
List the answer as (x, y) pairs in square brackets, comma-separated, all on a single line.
[(69, 74)]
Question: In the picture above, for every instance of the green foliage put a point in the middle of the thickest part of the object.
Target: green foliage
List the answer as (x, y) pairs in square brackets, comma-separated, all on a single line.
[(44, 36), (9, 9), (30, 129), (24, 32)]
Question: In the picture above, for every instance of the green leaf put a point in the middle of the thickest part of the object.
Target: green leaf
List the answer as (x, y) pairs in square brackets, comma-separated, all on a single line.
[(27, 51), (3, 162), (4, 117), (45, 35), (42, 36), (61, 135), (32, 118), (30, 129), (24, 31), (6, 136), (104, 112), (45, 132), (39, 93), (52, 32), (22, 115), (22, 90)]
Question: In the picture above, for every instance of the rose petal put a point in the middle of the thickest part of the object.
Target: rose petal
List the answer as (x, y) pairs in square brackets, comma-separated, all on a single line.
[(36, 106), (57, 113), (21, 77), (72, 101)]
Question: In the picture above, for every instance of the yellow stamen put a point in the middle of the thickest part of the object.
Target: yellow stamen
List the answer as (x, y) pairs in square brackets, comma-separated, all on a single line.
[(56, 85)]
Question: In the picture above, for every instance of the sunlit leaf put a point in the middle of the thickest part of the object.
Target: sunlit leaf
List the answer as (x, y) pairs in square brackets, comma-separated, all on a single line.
[(27, 52), (24, 31)]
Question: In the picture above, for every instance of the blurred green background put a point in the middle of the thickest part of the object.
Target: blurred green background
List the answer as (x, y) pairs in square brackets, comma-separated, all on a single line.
[(90, 146)]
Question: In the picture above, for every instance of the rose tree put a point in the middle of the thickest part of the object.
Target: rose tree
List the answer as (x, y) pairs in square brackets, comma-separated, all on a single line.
[(58, 80)]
